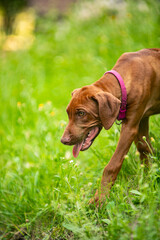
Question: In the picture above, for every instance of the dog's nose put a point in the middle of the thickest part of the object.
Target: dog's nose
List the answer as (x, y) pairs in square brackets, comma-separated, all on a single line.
[(65, 140)]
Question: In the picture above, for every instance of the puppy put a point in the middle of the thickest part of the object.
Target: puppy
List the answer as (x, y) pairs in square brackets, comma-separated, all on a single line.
[(130, 92)]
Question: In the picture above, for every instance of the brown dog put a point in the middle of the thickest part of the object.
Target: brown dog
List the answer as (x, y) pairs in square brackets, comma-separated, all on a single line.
[(97, 105)]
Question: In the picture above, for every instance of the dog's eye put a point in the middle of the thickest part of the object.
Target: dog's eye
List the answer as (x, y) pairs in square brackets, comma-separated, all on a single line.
[(80, 113)]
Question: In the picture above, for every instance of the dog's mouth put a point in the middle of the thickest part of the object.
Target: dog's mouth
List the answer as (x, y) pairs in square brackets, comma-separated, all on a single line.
[(87, 142)]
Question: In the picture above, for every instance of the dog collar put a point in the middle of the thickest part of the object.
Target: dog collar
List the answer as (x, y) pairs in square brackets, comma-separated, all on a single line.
[(122, 112)]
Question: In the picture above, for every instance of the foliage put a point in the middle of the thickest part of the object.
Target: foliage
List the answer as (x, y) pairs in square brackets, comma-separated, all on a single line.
[(44, 192)]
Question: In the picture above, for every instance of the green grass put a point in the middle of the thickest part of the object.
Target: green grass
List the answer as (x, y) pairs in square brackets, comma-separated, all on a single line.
[(44, 192)]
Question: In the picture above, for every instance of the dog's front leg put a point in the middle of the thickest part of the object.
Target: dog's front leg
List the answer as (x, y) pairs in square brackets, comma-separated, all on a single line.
[(112, 169)]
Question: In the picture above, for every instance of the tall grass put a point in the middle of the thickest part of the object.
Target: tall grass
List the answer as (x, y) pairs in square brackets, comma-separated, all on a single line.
[(44, 192)]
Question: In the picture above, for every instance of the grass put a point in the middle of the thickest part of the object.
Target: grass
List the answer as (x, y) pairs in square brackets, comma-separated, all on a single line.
[(44, 192)]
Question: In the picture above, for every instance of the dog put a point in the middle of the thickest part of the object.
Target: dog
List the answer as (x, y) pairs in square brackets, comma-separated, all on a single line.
[(130, 92)]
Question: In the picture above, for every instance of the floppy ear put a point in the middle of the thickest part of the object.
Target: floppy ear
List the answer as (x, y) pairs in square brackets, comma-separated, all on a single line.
[(75, 90), (108, 108)]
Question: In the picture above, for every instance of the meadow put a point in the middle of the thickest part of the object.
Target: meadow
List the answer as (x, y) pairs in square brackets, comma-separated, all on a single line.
[(44, 191)]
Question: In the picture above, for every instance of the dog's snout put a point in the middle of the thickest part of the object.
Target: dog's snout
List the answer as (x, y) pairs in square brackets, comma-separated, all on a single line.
[(65, 140)]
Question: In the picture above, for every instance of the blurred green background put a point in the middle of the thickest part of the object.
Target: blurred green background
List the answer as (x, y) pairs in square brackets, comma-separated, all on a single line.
[(47, 49)]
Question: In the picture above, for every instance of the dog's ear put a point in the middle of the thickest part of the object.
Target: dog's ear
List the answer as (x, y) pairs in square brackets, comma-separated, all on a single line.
[(108, 108), (75, 90)]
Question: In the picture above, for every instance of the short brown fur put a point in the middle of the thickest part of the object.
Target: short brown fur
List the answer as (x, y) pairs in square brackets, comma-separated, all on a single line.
[(101, 102)]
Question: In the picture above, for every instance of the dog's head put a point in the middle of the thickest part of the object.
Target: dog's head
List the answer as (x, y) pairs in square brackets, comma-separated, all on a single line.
[(89, 110)]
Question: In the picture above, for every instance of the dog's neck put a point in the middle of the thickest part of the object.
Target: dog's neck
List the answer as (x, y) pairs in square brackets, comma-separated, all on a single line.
[(109, 83)]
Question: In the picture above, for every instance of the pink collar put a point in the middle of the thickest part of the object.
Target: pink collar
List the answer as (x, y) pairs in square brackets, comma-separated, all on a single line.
[(122, 111)]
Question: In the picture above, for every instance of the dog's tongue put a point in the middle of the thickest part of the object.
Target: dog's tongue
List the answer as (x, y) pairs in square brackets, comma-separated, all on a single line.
[(76, 149)]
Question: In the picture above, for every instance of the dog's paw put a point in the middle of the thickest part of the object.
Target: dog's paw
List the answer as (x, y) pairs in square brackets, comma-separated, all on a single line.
[(98, 200)]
